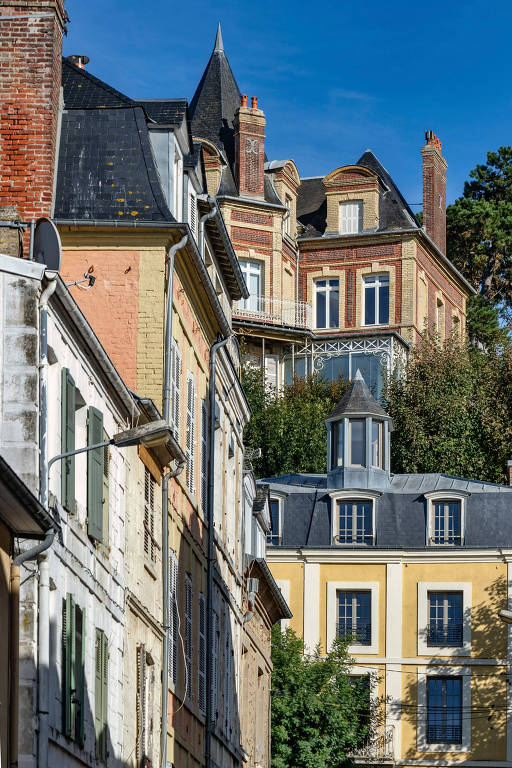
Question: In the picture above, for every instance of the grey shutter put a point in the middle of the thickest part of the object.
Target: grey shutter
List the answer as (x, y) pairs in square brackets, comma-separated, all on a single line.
[(173, 616), (104, 697), (201, 662), (80, 674), (101, 694), (176, 388), (204, 455), (68, 404), (95, 475), (67, 642), (149, 515), (188, 635), (190, 436), (106, 488), (215, 664)]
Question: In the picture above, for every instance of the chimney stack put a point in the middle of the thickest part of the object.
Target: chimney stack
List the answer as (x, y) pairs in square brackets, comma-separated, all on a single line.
[(30, 87), (434, 190), (250, 149)]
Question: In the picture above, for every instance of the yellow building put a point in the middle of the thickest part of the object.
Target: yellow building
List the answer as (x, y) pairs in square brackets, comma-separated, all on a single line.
[(414, 569)]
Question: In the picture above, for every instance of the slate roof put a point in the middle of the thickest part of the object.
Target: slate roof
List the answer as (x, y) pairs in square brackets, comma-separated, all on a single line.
[(85, 91), (165, 111), (394, 212), (358, 400), (400, 518)]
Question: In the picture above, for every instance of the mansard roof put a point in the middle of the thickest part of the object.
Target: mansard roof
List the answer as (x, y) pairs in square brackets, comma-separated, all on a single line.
[(358, 401), (85, 91), (394, 212)]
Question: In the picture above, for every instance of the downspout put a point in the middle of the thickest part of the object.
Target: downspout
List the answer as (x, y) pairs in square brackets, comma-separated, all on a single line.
[(202, 222), (165, 503), (43, 388), (210, 547)]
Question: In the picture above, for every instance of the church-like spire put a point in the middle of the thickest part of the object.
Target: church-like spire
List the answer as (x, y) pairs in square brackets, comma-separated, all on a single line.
[(219, 45)]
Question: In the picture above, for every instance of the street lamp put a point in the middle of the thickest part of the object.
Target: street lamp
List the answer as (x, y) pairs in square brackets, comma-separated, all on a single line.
[(505, 616)]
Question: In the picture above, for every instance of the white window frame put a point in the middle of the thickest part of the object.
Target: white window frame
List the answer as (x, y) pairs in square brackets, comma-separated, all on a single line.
[(251, 268), (433, 671), (177, 173), (279, 499), (355, 496), (377, 285), (350, 420), (449, 495), (327, 288), (175, 388), (333, 587), (344, 229), (424, 587)]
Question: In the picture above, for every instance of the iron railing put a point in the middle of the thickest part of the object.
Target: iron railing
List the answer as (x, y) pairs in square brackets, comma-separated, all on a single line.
[(450, 634), (359, 632), (264, 309), (379, 746), (442, 733)]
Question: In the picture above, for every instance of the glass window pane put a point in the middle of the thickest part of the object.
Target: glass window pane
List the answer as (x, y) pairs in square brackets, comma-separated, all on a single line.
[(357, 442), (376, 444), (334, 306), (321, 318), (384, 303), (369, 304)]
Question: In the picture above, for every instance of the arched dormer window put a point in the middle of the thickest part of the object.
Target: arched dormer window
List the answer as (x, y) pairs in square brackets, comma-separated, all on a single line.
[(446, 517), (353, 517)]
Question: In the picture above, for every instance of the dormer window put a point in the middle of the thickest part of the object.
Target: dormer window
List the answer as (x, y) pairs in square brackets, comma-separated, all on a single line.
[(446, 514), (351, 217), (274, 535), (377, 452), (353, 517)]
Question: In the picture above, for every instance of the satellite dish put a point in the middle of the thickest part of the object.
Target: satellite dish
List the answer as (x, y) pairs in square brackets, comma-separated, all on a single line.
[(47, 247)]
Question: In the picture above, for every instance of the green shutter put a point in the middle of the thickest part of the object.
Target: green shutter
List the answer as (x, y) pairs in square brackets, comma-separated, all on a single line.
[(77, 690), (67, 612), (81, 682), (95, 475), (104, 696), (101, 695), (68, 402), (105, 492)]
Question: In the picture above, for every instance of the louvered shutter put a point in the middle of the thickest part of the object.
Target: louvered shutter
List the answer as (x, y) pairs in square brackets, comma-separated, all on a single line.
[(80, 674), (215, 664), (149, 515), (104, 696), (68, 403), (98, 710), (204, 455), (190, 436), (141, 703), (201, 664), (173, 616), (193, 214), (175, 388), (105, 502), (67, 642), (188, 634), (95, 475)]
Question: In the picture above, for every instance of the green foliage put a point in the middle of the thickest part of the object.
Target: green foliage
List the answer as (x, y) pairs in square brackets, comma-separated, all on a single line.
[(318, 715), (452, 412), (483, 323), (289, 428)]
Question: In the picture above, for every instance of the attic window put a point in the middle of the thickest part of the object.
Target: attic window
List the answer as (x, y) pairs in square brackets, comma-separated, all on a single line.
[(274, 535), (351, 217), (446, 517)]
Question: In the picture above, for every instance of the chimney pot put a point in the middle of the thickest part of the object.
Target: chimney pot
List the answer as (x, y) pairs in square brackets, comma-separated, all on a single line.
[(244, 100), (509, 472), (254, 102), (79, 61)]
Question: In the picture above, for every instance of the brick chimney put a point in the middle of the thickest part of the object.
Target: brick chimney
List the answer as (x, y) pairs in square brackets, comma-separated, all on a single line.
[(509, 472), (434, 190), (30, 86), (250, 148)]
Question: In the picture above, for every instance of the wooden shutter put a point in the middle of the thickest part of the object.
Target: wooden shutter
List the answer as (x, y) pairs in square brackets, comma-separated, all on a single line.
[(79, 674), (149, 515), (215, 664), (141, 704), (193, 214), (105, 502), (188, 635), (173, 616), (101, 694), (201, 662), (190, 436), (68, 404), (95, 475), (175, 388), (204, 455), (67, 642)]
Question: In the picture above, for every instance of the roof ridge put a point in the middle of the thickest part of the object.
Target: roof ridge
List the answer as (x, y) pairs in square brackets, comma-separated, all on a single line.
[(95, 80)]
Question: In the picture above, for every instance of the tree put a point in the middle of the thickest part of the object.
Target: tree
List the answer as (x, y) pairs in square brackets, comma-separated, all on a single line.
[(289, 428), (319, 714), (483, 323)]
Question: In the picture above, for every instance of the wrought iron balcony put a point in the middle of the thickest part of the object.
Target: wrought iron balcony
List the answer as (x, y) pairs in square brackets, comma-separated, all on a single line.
[(360, 633), (263, 309), (450, 634), (378, 747)]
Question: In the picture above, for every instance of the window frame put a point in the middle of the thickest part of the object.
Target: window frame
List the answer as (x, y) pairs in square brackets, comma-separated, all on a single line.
[(327, 288), (449, 496), (343, 206), (354, 496), (423, 745), (424, 587), (269, 533), (251, 268), (333, 587), (377, 277), (370, 536)]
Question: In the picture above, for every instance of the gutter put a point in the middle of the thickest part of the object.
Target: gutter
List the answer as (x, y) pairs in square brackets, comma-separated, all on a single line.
[(228, 246), (250, 201)]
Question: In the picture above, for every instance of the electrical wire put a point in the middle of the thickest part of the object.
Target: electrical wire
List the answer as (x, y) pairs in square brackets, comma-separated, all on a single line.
[(184, 658)]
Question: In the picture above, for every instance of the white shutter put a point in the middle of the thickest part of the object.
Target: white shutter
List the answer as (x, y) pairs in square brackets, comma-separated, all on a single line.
[(188, 634), (190, 437), (272, 370), (351, 217), (192, 214), (173, 616), (228, 677), (204, 455), (201, 663), (175, 388), (215, 664), (149, 515)]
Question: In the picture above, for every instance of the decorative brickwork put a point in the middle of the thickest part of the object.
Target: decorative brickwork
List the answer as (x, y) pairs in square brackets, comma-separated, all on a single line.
[(252, 236), (250, 150), (434, 191), (252, 218)]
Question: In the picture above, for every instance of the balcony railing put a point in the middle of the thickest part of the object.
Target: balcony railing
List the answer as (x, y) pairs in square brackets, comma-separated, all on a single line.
[(450, 634), (360, 633), (443, 733), (378, 747), (263, 309)]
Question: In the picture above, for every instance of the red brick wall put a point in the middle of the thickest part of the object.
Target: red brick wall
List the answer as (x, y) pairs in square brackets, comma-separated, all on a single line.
[(250, 152), (30, 81), (434, 192)]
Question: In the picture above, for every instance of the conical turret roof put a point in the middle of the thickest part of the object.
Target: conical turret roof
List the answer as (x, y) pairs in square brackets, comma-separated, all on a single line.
[(358, 401)]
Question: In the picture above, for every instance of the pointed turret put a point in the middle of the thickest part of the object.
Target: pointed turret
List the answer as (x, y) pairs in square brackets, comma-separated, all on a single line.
[(219, 45), (358, 440)]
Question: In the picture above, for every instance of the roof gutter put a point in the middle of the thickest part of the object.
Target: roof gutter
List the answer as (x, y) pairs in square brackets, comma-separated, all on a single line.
[(228, 247), (250, 201)]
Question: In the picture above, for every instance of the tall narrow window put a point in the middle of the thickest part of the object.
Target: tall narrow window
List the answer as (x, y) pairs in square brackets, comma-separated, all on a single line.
[(445, 619), (376, 300), (188, 635), (190, 436), (444, 710), (97, 525), (440, 323), (327, 301), (204, 455), (357, 442), (351, 217), (288, 216), (201, 661), (251, 271), (67, 442), (142, 714), (101, 694), (73, 669), (173, 616), (149, 515), (274, 535), (376, 447), (446, 522), (355, 522), (175, 387), (354, 617)]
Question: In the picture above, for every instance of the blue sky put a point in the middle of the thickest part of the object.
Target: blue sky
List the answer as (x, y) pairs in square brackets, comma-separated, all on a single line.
[(333, 78)]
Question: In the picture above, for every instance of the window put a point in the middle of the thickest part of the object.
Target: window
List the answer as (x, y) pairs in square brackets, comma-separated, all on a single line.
[(351, 217), (445, 626), (327, 299), (355, 522), (178, 186), (190, 435), (288, 216), (175, 387), (251, 271), (101, 694), (97, 479), (204, 455), (444, 710), (201, 663), (354, 617), (149, 515), (229, 677), (376, 300), (440, 318), (456, 327), (357, 442), (73, 666), (188, 636), (173, 616), (377, 452), (445, 523), (67, 441), (274, 535), (145, 709)]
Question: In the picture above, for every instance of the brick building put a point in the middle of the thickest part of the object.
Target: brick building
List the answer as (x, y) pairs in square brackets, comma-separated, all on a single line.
[(341, 274)]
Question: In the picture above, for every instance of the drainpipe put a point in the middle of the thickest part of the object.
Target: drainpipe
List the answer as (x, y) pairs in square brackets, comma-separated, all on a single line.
[(202, 222), (43, 388), (165, 502), (210, 547)]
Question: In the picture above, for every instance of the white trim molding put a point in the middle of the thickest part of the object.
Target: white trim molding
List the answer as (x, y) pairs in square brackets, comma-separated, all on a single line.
[(355, 495), (452, 671), (446, 495), (424, 587), (333, 587)]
